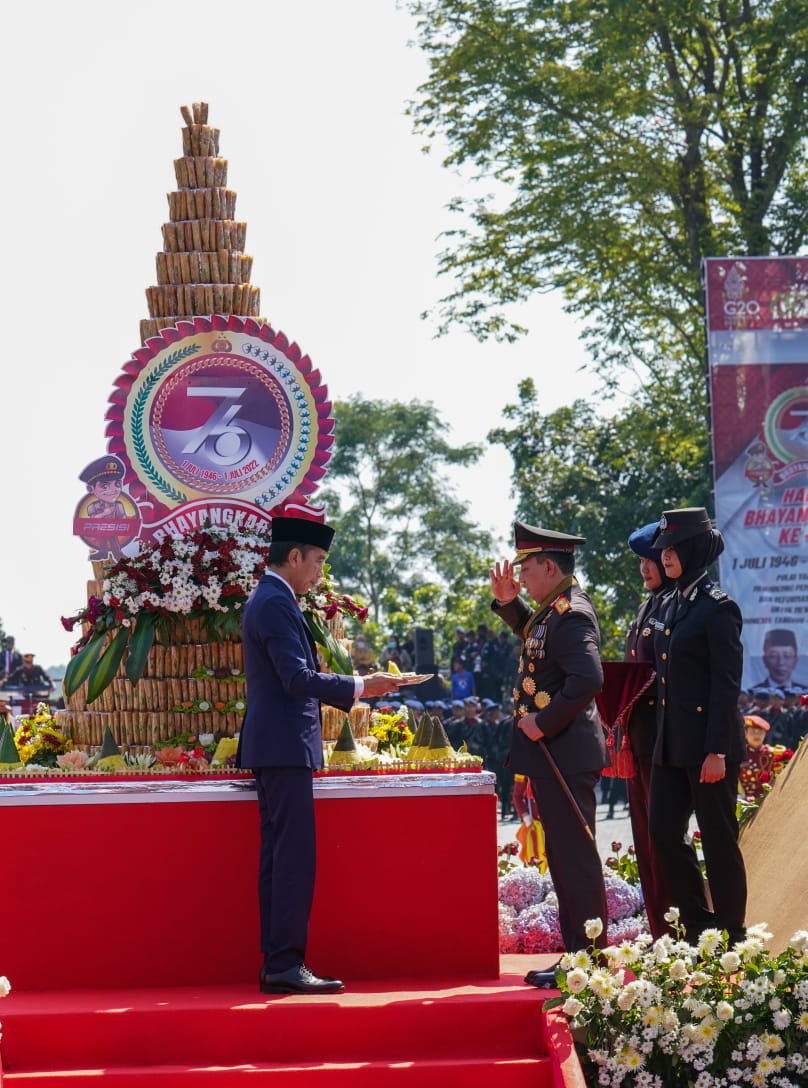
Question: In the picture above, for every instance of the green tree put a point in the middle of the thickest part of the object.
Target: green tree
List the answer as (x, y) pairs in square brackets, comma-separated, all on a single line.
[(404, 539), (602, 478), (609, 146), (620, 143)]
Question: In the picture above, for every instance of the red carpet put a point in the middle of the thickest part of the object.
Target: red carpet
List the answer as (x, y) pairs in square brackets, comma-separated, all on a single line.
[(443, 1033)]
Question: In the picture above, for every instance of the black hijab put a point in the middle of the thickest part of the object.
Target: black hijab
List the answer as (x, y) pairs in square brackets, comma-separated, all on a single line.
[(696, 554)]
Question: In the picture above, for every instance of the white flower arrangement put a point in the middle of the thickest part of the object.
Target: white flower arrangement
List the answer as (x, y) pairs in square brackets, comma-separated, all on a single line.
[(669, 1014), (204, 577)]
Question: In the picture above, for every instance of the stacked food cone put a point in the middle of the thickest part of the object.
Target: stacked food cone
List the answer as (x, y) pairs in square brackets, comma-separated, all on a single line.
[(202, 268)]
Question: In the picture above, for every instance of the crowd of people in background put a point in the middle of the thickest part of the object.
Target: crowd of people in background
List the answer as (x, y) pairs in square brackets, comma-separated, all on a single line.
[(781, 709), (482, 662)]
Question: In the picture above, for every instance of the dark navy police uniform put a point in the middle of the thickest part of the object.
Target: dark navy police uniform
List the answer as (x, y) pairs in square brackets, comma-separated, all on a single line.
[(699, 661)]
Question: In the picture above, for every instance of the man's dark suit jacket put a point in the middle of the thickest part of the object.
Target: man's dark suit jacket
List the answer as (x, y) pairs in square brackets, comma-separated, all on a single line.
[(284, 687)]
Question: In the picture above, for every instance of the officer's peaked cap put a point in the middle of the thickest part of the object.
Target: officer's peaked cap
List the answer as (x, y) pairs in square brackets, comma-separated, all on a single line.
[(531, 540), (678, 525)]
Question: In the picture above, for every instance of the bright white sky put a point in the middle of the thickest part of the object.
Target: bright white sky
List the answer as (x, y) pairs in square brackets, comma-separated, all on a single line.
[(343, 214)]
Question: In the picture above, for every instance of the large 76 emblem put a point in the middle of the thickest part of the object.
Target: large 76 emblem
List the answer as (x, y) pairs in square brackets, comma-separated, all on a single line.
[(223, 441), (203, 415)]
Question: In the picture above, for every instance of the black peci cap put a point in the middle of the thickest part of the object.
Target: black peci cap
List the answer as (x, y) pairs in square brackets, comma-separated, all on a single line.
[(302, 531)]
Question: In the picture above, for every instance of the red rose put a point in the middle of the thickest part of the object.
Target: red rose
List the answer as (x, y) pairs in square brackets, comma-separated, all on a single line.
[(617, 847), (765, 777)]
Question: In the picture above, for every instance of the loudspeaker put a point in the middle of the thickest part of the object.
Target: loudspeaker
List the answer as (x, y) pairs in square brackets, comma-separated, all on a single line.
[(424, 642)]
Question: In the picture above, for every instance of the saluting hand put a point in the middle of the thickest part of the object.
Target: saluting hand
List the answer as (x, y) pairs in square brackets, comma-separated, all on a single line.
[(504, 583)]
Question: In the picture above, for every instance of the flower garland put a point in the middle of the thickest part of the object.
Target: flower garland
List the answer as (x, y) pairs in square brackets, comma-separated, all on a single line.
[(669, 1014), (321, 604), (203, 706), (205, 576)]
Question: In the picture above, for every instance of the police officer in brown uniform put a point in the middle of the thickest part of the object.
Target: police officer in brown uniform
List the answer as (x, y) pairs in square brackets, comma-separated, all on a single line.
[(700, 743), (558, 676)]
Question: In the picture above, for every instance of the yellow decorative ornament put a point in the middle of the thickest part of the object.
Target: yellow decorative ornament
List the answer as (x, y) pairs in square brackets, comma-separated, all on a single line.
[(392, 668), (227, 747), (529, 685), (542, 699)]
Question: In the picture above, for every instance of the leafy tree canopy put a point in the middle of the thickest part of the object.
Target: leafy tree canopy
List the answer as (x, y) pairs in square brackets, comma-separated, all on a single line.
[(404, 542), (602, 479), (621, 143)]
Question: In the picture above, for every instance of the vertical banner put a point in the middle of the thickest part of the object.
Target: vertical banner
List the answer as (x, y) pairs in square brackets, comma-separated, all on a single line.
[(757, 336)]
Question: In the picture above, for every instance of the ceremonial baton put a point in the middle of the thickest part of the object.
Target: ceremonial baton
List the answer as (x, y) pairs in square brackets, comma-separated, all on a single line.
[(567, 791)]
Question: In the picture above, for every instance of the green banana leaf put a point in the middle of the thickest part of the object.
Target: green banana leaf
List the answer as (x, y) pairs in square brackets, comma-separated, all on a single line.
[(334, 654), (80, 665), (139, 645), (107, 664)]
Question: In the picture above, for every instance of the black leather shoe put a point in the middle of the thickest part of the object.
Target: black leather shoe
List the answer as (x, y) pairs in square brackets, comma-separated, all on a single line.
[(298, 980), (544, 980)]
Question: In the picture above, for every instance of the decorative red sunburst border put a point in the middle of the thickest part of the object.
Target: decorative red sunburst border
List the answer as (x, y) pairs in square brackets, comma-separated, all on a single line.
[(162, 499)]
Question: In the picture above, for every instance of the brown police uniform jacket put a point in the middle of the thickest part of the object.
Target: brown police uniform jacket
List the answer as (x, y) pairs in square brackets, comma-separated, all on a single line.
[(560, 661), (699, 655)]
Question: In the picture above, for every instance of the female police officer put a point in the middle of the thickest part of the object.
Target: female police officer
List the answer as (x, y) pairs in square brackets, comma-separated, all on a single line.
[(700, 743)]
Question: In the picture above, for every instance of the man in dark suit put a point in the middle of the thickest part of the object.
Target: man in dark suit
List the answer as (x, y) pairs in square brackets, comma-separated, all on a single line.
[(558, 677), (281, 740), (12, 658)]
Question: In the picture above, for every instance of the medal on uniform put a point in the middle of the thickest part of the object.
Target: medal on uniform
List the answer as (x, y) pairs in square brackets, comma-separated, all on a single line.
[(529, 685)]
